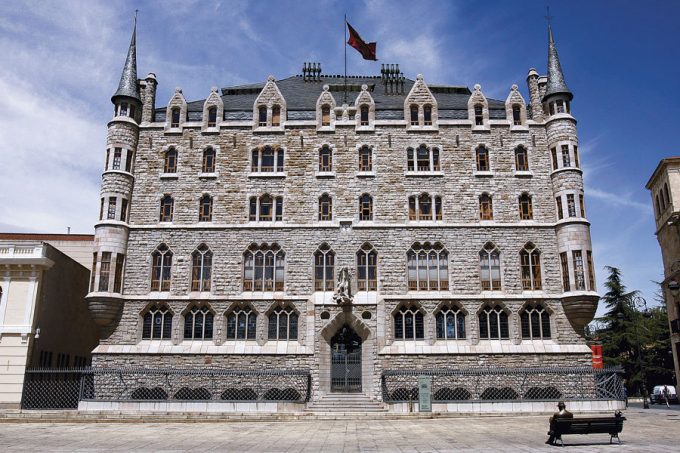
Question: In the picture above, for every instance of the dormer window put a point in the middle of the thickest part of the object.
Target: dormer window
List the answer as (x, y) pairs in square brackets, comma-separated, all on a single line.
[(414, 115), (516, 115), (364, 115), (262, 115), (325, 115), (427, 115), (479, 115), (276, 115), (212, 117), (174, 117)]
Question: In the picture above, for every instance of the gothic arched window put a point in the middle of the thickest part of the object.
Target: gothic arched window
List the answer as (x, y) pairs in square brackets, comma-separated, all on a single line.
[(409, 323), (365, 159), (535, 322), (157, 323), (530, 259), (450, 323), (241, 323), (283, 324), (201, 268), (161, 268), (325, 159), (198, 323), (493, 323), (263, 268), (367, 268), (428, 267), (324, 268), (490, 267), (276, 115)]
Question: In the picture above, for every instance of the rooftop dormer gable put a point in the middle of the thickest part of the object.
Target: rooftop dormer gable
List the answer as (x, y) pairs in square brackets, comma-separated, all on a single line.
[(365, 110), (478, 109), (325, 110), (420, 106), (516, 108), (269, 109), (213, 110), (176, 113)]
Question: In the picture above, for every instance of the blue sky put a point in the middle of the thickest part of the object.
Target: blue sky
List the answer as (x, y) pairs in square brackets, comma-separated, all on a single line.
[(61, 62)]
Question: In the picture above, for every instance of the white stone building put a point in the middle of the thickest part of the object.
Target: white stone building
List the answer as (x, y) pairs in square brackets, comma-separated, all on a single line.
[(225, 222)]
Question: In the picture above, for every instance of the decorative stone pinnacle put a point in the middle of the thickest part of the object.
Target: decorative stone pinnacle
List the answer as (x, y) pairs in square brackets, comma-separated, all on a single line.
[(271, 78), (514, 87), (364, 87), (477, 87), (419, 77), (213, 89)]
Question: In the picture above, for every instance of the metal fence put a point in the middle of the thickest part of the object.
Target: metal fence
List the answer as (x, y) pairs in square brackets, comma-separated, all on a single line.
[(506, 384), (63, 389)]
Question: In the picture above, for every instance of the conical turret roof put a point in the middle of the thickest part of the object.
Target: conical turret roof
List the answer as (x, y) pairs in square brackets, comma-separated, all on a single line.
[(128, 79), (556, 83)]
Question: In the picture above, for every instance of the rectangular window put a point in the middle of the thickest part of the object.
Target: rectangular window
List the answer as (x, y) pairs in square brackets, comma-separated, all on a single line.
[(414, 115), (208, 161), (252, 216), (262, 116), (582, 205), (479, 115), (438, 208), (279, 159), (552, 108), (265, 209), (118, 273), (94, 270), (111, 213), (560, 106), (276, 115), (106, 165), (279, 209), (325, 159), (579, 279), (101, 210), (212, 117), (412, 208), (564, 261), (553, 151), (325, 208), (571, 205), (117, 155), (123, 209), (325, 115), (435, 159), (576, 162), (411, 161), (104, 269), (566, 162), (521, 163), (560, 213), (516, 115), (591, 271), (174, 117), (485, 208), (482, 160), (365, 159), (128, 161), (364, 115)]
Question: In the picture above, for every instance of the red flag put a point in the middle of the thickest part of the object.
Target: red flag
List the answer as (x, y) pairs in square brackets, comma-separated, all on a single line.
[(367, 50)]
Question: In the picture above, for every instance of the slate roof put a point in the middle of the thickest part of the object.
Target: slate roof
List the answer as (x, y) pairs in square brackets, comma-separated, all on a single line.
[(301, 97)]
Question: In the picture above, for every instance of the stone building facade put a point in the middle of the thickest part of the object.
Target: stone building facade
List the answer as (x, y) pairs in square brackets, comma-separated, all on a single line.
[(459, 218)]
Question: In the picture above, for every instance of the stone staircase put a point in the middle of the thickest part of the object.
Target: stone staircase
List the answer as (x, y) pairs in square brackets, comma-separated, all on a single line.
[(347, 403)]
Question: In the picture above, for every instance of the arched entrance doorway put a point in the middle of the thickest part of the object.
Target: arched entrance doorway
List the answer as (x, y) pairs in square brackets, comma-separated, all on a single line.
[(346, 360)]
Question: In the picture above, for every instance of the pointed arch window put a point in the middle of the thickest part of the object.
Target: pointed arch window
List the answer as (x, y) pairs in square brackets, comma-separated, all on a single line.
[(157, 323), (365, 207), (161, 268), (530, 260), (450, 323), (263, 268), (241, 323), (174, 117), (409, 323), (428, 267), (493, 323), (201, 268), (367, 268), (198, 323), (485, 207), (325, 207), (363, 112), (208, 161), (490, 267), (170, 163), (526, 211), (283, 324), (212, 116), (325, 159), (325, 115), (521, 159), (482, 158), (365, 159), (262, 115), (535, 322), (324, 268), (276, 115), (167, 208), (205, 207)]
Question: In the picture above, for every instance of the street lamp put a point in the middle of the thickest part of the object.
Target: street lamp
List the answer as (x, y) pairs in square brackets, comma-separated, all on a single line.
[(639, 306)]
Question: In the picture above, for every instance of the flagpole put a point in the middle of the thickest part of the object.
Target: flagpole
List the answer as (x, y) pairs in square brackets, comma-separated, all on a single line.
[(345, 27)]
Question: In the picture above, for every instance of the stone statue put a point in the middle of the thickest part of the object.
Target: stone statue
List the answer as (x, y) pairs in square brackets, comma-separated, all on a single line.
[(343, 292)]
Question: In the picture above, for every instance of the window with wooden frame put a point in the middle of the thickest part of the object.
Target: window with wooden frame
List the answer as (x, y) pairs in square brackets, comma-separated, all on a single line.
[(409, 323), (265, 209), (482, 158), (325, 115), (424, 207), (157, 323), (201, 268), (479, 115), (170, 161), (450, 323), (564, 264), (161, 268), (521, 159), (325, 159), (427, 115), (174, 117), (571, 205), (241, 323), (324, 268), (111, 211), (516, 115), (365, 207), (428, 267), (199, 323), (325, 207), (579, 275), (526, 211), (423, 159), (530, 263), (118, 273), (208, 160), (535, 322), (493, 323), (566, 161), (262, 115), (490, 267), (367, 268), (167, 208), (205, 207), (283, 324), (363, 115), (267, 159), (365, 158), (212, 116), (276, 115), (104, 271), (414, 114), (560, 211), (263, 268), (485, 207), (117, 157)]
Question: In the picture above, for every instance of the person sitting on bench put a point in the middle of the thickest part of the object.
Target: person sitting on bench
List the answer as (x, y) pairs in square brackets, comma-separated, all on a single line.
[(562, 413)]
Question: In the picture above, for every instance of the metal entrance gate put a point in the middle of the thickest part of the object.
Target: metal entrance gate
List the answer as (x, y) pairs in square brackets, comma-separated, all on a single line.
[(346, 361)]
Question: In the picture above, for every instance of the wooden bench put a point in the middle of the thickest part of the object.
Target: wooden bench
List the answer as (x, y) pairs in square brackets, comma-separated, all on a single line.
[(590, 425)]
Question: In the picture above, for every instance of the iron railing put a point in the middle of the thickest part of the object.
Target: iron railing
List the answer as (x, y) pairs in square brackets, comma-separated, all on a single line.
[(63, 389), (506, 384)]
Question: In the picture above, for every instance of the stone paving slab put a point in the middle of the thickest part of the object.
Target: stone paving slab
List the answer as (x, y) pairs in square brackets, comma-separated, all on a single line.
[(645, 430)]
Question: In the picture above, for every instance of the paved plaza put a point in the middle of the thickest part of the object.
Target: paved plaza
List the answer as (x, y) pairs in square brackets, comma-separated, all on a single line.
[(652, 430)]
